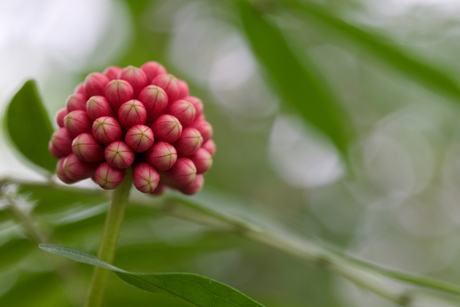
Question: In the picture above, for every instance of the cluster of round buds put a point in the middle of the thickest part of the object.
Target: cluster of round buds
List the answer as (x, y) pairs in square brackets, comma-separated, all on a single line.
[(134, 117)]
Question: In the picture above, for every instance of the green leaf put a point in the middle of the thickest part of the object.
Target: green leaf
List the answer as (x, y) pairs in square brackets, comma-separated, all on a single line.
[(29, 126), (195, 289), (299, 83)]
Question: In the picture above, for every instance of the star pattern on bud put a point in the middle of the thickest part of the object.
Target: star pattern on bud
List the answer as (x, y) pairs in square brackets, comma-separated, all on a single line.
[(142, 118)]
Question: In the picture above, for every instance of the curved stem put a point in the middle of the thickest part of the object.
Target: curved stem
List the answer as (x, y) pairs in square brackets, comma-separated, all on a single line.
[(107, 247)]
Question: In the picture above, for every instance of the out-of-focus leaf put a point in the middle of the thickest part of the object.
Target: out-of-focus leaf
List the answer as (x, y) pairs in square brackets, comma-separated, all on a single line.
[(29, 127), (299, 83), (382, 47), (15, 250), (195, 289)]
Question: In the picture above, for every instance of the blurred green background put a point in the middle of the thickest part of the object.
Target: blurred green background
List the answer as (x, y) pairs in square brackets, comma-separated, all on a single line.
[(336, 119)]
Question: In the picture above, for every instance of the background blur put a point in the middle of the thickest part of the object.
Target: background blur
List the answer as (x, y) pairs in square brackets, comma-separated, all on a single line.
[(395, 201)]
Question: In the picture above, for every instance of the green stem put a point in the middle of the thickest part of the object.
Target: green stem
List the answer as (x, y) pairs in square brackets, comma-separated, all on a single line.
[(107, 247)]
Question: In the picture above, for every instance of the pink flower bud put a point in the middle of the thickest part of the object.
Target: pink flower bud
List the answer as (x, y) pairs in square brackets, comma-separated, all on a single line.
[(205, 129), (184, 111), (80, 89), (61, 143), (161, 188), (194, 187), (95, 84), (119, 155), (107, 130), (118, 92), (202, 160), (60, 117), (76, 169), (167, 128), (77, 122), (87, 149), (161, 155), (197, 103), (108, 177), (76, 102), (210, 146), (112, 72), (139, 138), (98, 106), (132, 113), (135, 76), (189, 142), (152, 70), (145, 177), (61, 173), (183, 89), (181, 174), (155, 101), (169, 84)]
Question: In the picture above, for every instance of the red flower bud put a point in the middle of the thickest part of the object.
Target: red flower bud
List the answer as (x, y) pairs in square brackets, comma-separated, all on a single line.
[(80, 89), (189, 142), (183, 88), (194, 187), (155, 101), (167, 128), (161, 188), (77, 122), (161, 155), (108, 177), (181, 174), (87, 149), (184, 111), (139, 138), (61, 173), (205, 129), (197, 103), (135, 76), (76, 102), (60, 117), (76, 169), (95, 84), (145, 177), (169, 84), (107, 130), (202, 160), (132, 113), (119, 155), (98, 106), (152, 70), (112, 72), (118, 92), (210, 146), (61, 143)]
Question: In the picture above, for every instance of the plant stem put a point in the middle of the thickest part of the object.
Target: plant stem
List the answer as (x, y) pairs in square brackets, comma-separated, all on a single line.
[(107, 247)]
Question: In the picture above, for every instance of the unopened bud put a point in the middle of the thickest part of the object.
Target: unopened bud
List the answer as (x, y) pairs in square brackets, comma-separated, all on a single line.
[(167, 128), (155, 101), (98, 106), (194, 187), (161, 188), (210, 146), (61, 173), (77, 122), (181, 174), (161, 155), (145, 177), (183, 89), (189, 142), (169, 84), (95, 84), (107, 130), (197, 103), (112, 72), (132, 113), (202, 160), (139, 137), (184, 111), (119, 155), (108, 177), (61, 143), (118, 92), (87, 149), (80, 89), (152, 70), (76, 102), (77, 169), (135, 76), (205, 129), (60, 117)]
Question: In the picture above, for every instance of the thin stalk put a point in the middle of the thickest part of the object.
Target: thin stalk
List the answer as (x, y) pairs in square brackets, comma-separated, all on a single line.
[(108, 245)]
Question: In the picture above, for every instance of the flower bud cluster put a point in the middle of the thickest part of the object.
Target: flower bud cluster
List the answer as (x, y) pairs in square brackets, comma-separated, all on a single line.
[(134, 117)]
